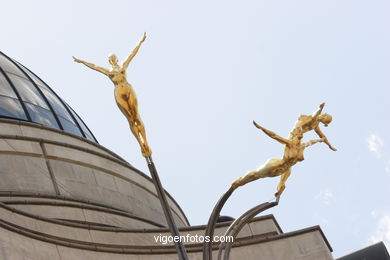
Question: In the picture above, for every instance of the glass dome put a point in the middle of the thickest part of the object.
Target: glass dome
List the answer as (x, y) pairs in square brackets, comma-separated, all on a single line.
[(24, 96)]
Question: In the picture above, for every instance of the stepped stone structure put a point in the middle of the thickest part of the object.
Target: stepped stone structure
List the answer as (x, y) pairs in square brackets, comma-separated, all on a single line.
[(63, 196)]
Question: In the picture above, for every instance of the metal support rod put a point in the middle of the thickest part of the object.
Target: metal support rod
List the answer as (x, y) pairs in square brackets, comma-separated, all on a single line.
[(207, 246), (181, 251), (239, 223)]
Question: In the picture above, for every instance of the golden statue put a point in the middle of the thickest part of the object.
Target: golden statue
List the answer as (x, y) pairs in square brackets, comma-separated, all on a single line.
[(125, 95), (293, 150)]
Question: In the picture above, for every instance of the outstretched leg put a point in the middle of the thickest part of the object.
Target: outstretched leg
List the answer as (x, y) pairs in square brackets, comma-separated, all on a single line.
[(250, 176), (136, 125), (282, 185), (141, 136), (269, 169)]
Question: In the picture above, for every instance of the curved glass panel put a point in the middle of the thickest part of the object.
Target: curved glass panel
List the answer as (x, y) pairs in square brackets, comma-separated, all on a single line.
[(63, 115), (57, 105), (24, 96), (10, 107), (5, 88), (41, 116), (85, 129), (37, 81), (69, 126), (27, 91), (8, 66)]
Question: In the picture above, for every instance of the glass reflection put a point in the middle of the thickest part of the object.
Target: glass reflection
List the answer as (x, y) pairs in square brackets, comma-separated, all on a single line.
[(37, 81), (10, 107), (8, 66), (30, 90), (69, 126), (84, 128), (27, 91), (41, 115), (57, 105), (5, 88)]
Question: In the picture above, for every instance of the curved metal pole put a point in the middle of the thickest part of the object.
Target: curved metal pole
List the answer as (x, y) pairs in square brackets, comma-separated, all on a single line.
[(180, 249), (207, 246), (239, 223)]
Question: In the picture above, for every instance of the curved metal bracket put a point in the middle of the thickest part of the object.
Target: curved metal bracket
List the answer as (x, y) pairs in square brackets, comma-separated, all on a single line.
[(233, 229), (207, 246), (239, 223)]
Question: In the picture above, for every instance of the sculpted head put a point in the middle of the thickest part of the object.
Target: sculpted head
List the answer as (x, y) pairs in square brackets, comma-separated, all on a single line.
[(325, 118), (113, 59)]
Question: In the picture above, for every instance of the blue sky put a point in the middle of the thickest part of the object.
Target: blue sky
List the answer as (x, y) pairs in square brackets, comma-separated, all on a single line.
[(206, 70)]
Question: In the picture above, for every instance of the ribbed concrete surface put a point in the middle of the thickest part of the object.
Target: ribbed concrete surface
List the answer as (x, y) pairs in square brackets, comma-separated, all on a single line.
[(39, 160), (62, 197)]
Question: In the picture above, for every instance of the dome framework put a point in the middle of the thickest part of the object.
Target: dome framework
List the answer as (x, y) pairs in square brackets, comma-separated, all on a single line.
[(24, 96)]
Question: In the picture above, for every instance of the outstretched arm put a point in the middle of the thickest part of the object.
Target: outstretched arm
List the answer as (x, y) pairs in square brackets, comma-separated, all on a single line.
[(134, 52), (311, 142), (92, 66), (272, 134), (318, 112), (322, 135)]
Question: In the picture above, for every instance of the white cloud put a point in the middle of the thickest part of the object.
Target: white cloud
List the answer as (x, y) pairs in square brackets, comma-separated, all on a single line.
[(375, 144), (326, 195), (382, 232)]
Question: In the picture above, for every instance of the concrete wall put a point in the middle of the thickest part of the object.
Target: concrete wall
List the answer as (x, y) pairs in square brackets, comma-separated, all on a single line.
[(17, 242), (37, 161)]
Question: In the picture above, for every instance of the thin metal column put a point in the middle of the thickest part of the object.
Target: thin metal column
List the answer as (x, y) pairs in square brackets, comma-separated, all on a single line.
[(181, 251)]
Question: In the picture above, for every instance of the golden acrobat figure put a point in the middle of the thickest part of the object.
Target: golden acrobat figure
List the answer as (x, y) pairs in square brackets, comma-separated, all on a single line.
[(293, 151), (125, 96)]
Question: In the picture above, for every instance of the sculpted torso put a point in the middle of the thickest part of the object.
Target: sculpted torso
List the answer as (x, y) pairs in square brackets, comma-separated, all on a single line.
[(123, 92), (292, 154)]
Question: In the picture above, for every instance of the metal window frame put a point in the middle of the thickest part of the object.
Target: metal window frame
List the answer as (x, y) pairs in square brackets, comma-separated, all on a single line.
[(68, 109), (37, 88), (16, 92)]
